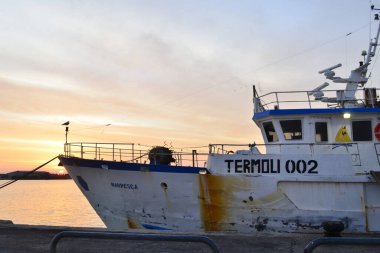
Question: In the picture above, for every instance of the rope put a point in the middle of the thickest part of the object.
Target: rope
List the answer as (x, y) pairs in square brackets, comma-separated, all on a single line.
[(26, 174)]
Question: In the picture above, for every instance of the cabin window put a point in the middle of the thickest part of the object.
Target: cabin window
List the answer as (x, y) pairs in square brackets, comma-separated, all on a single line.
[(292, 129), (362, 130), (321, 132), (270, 132)]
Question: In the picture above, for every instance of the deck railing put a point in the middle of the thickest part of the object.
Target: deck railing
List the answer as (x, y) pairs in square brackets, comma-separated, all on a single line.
[(291, 148), (133, 153), (305, 99)]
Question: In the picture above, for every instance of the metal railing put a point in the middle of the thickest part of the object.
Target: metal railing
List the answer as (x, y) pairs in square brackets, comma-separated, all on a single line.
[(290, 148), (128, 236), (133, 153), (127, 152), (288, 99), (98, 151), (340, 241)]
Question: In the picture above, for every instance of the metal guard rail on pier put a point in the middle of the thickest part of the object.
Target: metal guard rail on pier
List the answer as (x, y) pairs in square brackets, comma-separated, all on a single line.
[(340, 241), (141, 237)]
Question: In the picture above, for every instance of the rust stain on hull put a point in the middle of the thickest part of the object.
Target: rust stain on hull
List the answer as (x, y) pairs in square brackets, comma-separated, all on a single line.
[(216, 197), (133, 224)]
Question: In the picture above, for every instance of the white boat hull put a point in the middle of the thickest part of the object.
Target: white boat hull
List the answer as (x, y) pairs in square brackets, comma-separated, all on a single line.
[(141, 197)]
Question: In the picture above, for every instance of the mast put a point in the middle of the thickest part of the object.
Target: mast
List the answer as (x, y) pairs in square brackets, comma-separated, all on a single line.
[(358, 76), (373, 43)]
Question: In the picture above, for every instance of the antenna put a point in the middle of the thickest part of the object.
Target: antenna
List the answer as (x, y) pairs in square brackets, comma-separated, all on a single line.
[(328, 72), (358, 76), (317, 92), (330, 68)]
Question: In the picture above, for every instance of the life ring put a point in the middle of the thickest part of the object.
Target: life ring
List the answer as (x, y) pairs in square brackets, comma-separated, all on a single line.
[(377, 131)]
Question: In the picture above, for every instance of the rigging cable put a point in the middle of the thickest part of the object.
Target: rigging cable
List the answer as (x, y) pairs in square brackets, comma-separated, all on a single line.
[(269, 64), (26, 174)]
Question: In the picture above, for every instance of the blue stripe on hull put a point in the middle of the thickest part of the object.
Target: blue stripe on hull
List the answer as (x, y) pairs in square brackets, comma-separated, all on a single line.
[(110, 165), (154, 227)]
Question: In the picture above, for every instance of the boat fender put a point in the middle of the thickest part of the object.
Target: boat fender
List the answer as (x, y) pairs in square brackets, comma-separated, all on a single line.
[(377, 131)]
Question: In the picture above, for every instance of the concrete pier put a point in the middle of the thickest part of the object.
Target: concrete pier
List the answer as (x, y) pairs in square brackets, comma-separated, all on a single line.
[(33, 239)]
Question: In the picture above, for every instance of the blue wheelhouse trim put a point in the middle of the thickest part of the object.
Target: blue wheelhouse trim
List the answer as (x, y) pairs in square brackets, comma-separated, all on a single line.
[(110, 165), (284, 112)]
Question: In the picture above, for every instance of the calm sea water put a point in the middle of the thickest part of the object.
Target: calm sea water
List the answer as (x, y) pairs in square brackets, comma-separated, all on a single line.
[(46, 202)]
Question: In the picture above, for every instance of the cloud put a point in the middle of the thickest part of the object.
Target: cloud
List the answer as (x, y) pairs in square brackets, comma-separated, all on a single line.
[(31, 141), (175, 70)]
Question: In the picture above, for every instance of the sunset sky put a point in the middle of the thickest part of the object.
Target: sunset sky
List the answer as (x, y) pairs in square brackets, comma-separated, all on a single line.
[(158, 71)]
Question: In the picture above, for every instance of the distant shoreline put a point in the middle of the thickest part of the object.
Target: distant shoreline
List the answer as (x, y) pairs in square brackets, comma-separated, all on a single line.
[(37, 175)]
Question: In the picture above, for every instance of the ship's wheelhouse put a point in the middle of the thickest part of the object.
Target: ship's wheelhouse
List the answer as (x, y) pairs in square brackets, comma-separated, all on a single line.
[(352, 131), (314, 127)]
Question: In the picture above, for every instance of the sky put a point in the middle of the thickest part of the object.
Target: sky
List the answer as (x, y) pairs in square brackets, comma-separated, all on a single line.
[(162, 71)]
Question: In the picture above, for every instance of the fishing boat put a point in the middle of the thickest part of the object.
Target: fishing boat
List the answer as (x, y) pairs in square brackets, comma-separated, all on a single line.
[(319, 164)]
